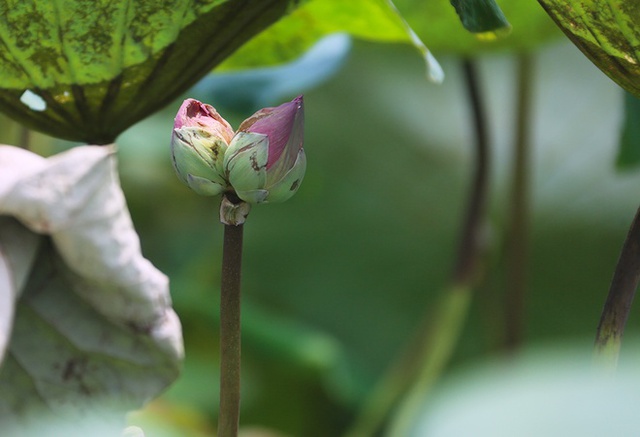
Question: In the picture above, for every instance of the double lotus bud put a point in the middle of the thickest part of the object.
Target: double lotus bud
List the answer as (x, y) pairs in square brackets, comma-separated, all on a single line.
[(263, 162)]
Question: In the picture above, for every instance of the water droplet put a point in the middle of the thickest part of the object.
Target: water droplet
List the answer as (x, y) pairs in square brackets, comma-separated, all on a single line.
[(33, 101)]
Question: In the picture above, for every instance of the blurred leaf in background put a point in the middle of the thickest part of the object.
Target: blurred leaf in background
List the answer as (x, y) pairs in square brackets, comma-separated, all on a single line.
[(372, 20), (629, 147), (550, 392), (607, 32), (246, 91)]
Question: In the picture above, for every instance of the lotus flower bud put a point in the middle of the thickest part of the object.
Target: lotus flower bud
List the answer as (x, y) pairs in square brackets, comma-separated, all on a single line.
[(265, 161), (200, 138)]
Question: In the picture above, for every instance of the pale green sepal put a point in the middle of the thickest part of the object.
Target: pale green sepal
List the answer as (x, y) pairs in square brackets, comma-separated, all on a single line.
[(186, 160), (246, 161), (204, 187), (289, 184), (211, 147), (253, 196), (193, 155), (247, 140)]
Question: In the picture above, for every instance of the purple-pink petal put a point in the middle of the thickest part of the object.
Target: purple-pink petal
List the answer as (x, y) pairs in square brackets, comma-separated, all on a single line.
[(193, 113), (284, 127)]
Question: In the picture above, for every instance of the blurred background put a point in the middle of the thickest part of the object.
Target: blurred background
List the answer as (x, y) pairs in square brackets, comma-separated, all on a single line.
[(336, 279)]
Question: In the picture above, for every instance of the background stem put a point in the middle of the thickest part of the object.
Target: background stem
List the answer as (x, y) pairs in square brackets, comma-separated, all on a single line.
[(230, 332), (467, 260), (423, 361), (516, 250), (621, 293), (443, 335)]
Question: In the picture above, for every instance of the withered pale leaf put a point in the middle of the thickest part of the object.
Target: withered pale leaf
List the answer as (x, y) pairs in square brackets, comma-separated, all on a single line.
[(88, 318)]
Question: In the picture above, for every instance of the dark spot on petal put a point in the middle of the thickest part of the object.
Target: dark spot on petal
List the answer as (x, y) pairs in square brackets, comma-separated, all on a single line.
[(295, 185), (179, 134), (253, 158)]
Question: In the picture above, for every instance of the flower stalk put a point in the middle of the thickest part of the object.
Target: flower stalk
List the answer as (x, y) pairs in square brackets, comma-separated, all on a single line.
[(230, 332), (410, 378), (621, 293), (263, 162), (443, 334), (517, 239)]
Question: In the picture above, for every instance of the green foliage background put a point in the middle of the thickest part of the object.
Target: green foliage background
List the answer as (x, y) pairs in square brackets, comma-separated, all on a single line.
[(336, 279)]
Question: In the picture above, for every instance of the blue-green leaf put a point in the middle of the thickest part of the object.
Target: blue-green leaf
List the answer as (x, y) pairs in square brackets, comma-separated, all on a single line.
[(480, 16), (629, 147)]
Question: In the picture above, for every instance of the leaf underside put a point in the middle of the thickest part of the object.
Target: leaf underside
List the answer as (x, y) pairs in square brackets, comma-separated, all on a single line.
[(64, 356), (101, 65)]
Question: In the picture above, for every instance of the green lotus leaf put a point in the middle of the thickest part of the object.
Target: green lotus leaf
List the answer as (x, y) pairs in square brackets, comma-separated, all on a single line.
[(371, 20), (607, 32), (86, 70), (435, 22)]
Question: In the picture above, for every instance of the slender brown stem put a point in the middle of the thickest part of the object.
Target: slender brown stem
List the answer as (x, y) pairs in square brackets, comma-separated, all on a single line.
[(420, 364), (466, 264), (516, 251), (443, 335), (621, 293), (229, 416)]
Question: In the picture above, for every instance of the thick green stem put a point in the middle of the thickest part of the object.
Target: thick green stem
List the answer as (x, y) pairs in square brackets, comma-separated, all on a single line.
[(516, 251), (621, 293), (436, 352), (229, 416), (424, 359)]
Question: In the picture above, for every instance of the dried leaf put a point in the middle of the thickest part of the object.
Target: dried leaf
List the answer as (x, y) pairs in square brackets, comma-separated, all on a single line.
[(92, 318)]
